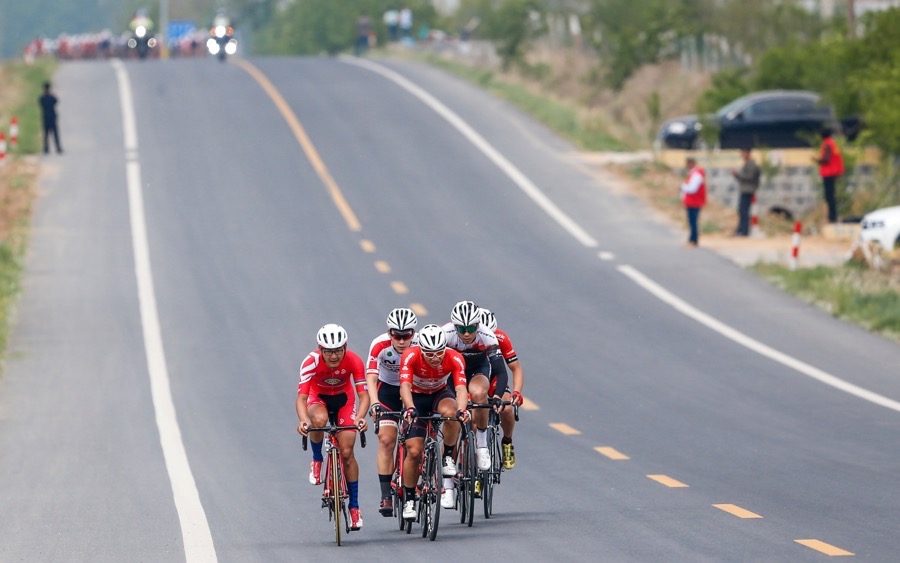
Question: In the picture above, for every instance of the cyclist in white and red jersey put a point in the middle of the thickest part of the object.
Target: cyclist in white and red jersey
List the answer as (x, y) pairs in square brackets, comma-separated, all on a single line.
[(485, 368), (383, 379), (507, 416), (328, 377), (428, 372)]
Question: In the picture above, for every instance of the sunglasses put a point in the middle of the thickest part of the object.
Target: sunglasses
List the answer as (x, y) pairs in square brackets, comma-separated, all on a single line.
[(431, 355), (466, 329), (332, 351), (402, 334)]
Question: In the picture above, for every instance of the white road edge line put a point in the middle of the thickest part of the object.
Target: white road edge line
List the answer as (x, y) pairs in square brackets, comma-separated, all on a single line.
[(481, 144), (198, 544), (728, 332)]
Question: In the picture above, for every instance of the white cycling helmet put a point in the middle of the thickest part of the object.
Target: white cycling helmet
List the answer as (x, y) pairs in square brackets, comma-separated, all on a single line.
[(488, 319), (331, 336), (465, 313), (432, 338), (402, 319)]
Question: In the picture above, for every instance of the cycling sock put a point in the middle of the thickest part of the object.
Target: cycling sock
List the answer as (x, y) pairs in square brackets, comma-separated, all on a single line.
[(481, 438), (410, 493), (353, 493), (506, 440), (448, 451), (385, 482), (317, 450)]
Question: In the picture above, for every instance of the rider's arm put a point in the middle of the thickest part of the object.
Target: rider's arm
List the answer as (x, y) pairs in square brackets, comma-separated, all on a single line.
[(518, 376), (498, 372), (302, 413)]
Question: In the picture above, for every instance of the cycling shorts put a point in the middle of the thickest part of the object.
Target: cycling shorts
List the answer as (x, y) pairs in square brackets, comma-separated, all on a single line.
[(476, 365), (389, 399), (341, 411), (427, 404)]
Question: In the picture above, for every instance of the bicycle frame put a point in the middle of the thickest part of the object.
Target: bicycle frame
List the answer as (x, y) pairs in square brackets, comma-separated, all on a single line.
[(335, 494)]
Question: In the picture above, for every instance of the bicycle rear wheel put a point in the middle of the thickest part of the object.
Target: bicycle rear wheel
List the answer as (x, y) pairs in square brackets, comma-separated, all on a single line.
[(465, 482)]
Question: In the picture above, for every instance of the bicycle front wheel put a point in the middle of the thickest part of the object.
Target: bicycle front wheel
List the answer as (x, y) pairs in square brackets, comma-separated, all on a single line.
[(434, 512), (487, 482), (465, 481), (337, 497)]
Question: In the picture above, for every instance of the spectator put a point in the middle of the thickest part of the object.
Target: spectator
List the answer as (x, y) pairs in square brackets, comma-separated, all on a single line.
[(406, 23), (392, 22), (363, 30), (748, 183), (831, 167), (48, 103), (693, 194)]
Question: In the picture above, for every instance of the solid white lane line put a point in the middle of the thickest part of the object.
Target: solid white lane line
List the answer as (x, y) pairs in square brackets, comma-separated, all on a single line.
[(508, 168), (198, 544), (728, 332)]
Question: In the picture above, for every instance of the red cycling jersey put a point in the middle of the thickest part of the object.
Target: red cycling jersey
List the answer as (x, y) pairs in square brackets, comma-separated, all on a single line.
[(316, 378), (506, 346), (414, 369)]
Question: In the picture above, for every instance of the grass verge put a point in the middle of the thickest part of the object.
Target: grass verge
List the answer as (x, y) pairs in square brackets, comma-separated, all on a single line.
[(18, 177), (851, 292)]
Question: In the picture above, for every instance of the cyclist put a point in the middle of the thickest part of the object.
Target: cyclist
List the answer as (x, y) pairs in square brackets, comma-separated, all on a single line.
[(328, 376), (507, 416), (427, 372), (485, 368), (383, 381)]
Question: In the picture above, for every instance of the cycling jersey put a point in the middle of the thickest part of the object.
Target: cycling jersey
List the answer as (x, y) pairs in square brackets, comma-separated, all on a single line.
[(316, 378), (384, 360), (506, 347), (482, 355), (414, 369)]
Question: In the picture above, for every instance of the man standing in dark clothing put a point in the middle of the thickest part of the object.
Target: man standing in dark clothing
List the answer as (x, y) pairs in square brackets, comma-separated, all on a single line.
[(48, 111), (748, 182)]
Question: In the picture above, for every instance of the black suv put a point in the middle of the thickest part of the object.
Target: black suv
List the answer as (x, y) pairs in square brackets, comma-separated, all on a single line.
[(770, 119)]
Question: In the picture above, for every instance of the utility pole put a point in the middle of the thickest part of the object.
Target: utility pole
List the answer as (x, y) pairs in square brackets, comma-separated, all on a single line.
[(851, 18)]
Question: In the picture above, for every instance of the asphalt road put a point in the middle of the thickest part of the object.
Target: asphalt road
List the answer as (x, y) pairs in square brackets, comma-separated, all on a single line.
[(179, 269)]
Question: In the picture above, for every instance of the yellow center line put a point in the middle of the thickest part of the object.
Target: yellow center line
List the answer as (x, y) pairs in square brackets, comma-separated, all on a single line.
[(367, 245), (737, 511), (823, 547), (667, 481), (529, 405), (308, 148), (611, 453), (419, 309), (399, 287), (382, 266), (564, 428)]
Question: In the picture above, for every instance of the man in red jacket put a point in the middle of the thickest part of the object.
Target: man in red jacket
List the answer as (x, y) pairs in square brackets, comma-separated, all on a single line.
[(693, 194), (831, 167)]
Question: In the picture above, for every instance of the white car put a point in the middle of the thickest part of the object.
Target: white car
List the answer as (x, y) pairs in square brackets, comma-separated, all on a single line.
[(882, 226)]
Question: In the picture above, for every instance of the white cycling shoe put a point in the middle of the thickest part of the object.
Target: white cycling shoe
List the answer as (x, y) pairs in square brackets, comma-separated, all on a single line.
[(409, 510), (448, 498), (449, 469), (483, 458)]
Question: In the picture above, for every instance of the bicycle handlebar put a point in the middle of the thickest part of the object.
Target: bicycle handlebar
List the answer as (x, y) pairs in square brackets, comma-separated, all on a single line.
[(334, 430), (493, 402), (380, 413)]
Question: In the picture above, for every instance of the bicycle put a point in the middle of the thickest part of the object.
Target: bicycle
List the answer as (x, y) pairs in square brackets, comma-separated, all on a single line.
[(430, 484), (490, 477), (466, 476), (397, 477), (335, 495)]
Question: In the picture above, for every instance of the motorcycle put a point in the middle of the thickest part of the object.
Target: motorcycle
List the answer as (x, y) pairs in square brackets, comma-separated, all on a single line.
[(221, 42), (142, 41)]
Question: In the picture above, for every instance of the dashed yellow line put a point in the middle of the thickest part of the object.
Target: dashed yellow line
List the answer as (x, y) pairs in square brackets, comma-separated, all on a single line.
[(529, 405), (419, 309), (667, 481), (611, 453), (735, 510), (336, 195), (367, 245), (823, 547), (382, 266), (564, 428), (399, 287)]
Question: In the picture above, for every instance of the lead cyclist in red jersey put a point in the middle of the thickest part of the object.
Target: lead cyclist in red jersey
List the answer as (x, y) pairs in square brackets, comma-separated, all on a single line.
[(383, 380), (427, 372), (328, 376), (507, 416)]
